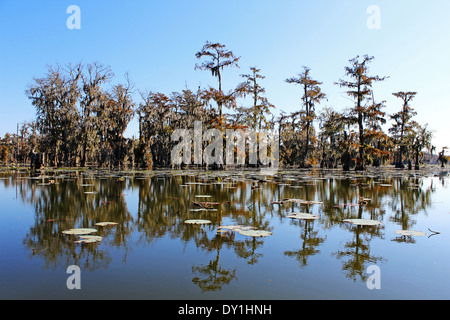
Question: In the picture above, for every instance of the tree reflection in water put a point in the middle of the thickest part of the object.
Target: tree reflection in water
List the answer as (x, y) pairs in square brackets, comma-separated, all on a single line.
[(164, 202), (310, 242)]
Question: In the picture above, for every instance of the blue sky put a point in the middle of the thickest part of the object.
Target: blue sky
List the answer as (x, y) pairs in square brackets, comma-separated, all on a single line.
[(156, 41)]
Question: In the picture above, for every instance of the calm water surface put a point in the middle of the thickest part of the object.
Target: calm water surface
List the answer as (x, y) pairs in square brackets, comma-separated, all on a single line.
[(153, 254)]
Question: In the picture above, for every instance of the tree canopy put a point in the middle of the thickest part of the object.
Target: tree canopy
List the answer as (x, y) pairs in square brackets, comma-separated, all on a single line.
[(81, 119)]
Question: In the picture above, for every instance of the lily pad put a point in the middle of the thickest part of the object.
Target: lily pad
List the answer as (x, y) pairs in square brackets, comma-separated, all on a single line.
[(363, 222), (89, 239), (232, 227), (254, 233), (198, 221), (303, 216), (104, 224), (246, 230), (301, 201), (410, 233), (79, 231)]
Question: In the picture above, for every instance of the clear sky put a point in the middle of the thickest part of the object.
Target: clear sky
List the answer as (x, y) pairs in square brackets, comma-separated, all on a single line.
[(156, 41)]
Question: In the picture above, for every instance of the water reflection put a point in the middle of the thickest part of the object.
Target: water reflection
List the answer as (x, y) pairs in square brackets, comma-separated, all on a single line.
[(165, 199), (311, 240), (356, 254)]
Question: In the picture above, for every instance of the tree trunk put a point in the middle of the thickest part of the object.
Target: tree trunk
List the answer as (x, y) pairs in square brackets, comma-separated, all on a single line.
[(305, 155), (307, 107), (399, 163), (360, 160), (219, 103)]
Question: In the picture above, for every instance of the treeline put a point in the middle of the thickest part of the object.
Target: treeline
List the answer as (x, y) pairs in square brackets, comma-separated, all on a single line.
[(81, 119)]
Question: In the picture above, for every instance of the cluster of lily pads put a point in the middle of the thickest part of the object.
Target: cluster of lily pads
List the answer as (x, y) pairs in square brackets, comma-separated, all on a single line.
[(358, 222), (243, 230), (254, 232), (85, 234)]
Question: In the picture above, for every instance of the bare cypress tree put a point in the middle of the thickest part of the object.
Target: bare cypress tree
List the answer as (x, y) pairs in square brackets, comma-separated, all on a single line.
[(359, 88), (417, 140), (55, 97), (312, 95), (120, 114), (156, 113), (92, 117), (331, 126), (256, 114), (77, 118), (377, 141), (402, 124), (220, 58)]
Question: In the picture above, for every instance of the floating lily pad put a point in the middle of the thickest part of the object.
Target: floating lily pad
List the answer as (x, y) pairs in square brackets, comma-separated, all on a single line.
[(254, 233), (104, 224), (198, 221), (79, 231), (301, 201), (410, 233), (363, 222), (246, 230), (303, 216), (89, 239), (232, 227)]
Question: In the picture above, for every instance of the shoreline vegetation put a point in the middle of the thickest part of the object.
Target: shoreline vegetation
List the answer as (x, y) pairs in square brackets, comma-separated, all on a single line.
[(81, 119)]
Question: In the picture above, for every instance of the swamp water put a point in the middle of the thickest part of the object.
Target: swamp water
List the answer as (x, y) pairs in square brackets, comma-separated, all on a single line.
[(306, 245)]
